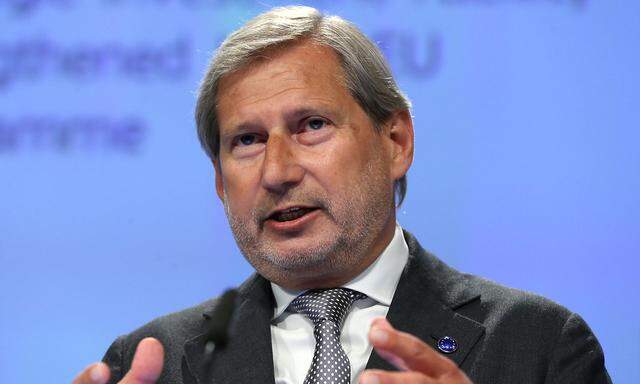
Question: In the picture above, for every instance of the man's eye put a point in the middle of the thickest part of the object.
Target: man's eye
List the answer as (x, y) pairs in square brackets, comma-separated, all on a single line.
[(315, 124), (247, 139)]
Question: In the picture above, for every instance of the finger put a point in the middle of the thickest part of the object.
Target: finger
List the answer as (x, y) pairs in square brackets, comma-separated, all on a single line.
[(375, 376), (390, 357), (97, 373), (147, 363), (393, 359), (406, 351)]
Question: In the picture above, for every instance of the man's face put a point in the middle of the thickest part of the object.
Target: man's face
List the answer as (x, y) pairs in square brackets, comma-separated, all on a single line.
[(306, 182)]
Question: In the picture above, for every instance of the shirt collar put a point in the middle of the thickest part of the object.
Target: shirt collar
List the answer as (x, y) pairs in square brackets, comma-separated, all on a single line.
[(378, 281)]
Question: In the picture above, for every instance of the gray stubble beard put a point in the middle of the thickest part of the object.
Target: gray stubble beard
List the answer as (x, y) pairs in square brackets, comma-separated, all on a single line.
[(363, 220)]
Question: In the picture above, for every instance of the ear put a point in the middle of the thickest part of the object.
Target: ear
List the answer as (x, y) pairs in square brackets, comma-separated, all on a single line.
[(218, 174), (400, 133)]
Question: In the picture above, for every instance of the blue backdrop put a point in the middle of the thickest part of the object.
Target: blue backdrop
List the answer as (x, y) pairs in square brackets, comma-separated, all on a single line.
[(527, 168)]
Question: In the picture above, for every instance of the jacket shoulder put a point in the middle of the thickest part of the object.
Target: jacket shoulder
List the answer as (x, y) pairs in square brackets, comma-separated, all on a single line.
[(177, 326), (500, 302), (480, 299)]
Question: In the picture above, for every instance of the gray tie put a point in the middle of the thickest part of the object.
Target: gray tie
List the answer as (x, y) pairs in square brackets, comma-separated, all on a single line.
[(327, 309)]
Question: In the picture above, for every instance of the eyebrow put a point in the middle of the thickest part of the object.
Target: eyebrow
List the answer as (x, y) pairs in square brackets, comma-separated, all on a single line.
[(299, 113)]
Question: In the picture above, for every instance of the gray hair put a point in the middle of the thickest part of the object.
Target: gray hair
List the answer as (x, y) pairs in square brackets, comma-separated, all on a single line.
[(366, 73)]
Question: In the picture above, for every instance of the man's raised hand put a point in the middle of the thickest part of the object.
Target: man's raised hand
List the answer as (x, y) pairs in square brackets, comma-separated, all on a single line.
[(418, 362), (145, 368)]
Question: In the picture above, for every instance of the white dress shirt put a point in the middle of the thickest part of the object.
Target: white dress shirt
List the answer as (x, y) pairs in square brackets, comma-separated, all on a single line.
[(292, 337)]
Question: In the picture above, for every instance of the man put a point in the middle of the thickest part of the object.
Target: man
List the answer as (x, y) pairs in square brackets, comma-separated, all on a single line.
[(310, 139)]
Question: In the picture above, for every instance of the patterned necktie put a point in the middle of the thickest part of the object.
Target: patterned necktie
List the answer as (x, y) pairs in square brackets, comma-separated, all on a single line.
[(327, 309)]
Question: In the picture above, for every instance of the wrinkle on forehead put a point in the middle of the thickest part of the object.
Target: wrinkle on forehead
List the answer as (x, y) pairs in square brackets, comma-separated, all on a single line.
[(249, 99), (255, 78)]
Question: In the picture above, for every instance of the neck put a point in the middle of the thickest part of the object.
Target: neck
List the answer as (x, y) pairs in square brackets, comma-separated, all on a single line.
[(317, 279)]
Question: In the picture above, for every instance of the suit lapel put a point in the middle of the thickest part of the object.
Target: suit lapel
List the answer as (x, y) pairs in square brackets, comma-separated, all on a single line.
[(424, 305), (247, 358)]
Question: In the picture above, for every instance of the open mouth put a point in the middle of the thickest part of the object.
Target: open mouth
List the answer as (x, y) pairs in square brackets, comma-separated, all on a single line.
[(290, 214)]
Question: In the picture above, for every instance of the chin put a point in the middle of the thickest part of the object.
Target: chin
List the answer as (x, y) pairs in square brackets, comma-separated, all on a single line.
[(319, 256), (295, 258), (299, 256)]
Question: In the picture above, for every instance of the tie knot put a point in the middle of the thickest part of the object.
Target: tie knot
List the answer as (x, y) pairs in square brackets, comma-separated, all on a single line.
[(326, 304)]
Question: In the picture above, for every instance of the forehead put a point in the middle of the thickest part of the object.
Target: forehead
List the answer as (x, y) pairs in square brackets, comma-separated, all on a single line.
[(302, 71)]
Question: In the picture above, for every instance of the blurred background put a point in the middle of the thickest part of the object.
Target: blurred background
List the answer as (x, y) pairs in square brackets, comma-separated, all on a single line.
[(526, 172)]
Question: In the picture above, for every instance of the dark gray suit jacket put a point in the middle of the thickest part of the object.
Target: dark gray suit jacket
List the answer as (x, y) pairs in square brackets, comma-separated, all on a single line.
[(504, 335)]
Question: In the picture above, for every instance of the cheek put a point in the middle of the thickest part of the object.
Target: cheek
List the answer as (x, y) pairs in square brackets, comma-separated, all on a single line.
[(336, 168), (239, 185)]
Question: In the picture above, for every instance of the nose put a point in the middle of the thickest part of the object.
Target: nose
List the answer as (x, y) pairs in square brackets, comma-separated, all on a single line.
[(281, 170)]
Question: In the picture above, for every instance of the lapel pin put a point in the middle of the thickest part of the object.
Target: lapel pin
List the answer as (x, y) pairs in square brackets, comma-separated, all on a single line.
[(447, 344)]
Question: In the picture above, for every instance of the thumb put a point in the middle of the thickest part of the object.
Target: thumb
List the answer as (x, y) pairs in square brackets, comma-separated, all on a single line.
[(147, 363)]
